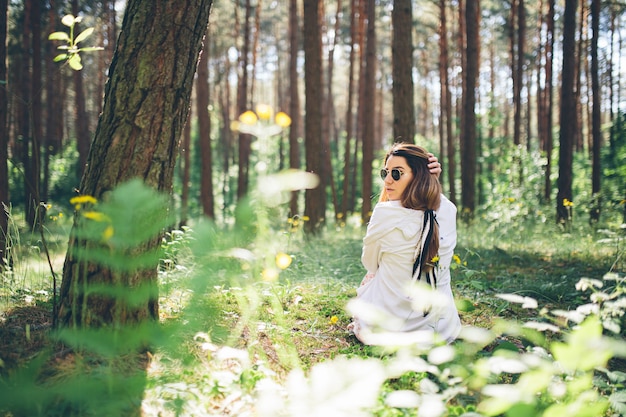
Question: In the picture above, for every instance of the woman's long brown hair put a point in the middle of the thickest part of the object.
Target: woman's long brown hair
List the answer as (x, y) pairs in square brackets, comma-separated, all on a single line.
[(423, 193)]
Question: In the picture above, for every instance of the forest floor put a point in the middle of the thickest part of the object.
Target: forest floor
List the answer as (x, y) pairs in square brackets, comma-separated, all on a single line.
[(301, 320)]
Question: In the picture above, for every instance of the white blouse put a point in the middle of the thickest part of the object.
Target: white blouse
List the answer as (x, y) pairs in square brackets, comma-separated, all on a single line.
[(388, 255)]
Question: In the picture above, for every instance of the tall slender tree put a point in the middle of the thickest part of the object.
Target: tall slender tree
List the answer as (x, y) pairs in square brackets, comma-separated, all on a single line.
[(447, 144), (567, 132), (83, 135), (549, 99), (294, 98), (468, 135), (347, 153), (4, 134), (242, 105), (204, 132), (369, 106), (596, 117), (314, 199), (402, 61)]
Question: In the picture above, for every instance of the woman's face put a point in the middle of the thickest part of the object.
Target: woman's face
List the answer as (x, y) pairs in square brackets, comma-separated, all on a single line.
[(395, 188)]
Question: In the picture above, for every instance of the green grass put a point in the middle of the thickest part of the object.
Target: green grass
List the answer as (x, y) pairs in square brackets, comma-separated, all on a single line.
[(300, 321)]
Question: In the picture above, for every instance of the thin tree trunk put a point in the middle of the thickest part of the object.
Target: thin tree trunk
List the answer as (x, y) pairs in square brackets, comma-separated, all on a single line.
[(347, 153), (24, 122), (4, 136), (596, 117), (36, 109), (368, 111), (204, 133), (83, 137), (330, 109), (468, 166), (568, 114), (402, 61), (294, 99), (242, 106), (315, 199), (52, 142), (549, 141)]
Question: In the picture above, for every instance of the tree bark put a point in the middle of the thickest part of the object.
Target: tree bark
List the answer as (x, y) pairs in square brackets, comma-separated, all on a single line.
[(294, 99), (347, 152), (242, 106), (549, 140), (145, 109), (402, 61), (447, 147), (369, 106), (468, 165), (4, 135), (315, 199), (596, 116), (204, 134), (83, 135), (568, 113)]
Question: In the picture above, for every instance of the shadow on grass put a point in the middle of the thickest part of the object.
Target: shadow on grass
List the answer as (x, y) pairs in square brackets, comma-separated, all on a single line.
[(42, 377)]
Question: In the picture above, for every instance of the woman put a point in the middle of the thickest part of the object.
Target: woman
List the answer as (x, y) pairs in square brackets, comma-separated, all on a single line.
[(407, 251)]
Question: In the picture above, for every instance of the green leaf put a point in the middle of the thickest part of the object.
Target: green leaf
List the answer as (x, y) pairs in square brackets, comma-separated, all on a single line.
[(59, 36), (75, 62), (83, 35), (61, 57)]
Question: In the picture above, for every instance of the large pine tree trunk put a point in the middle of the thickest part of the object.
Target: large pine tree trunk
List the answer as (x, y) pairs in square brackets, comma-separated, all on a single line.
[(4, 134), (567, 132), (145, 108), (402, 61)]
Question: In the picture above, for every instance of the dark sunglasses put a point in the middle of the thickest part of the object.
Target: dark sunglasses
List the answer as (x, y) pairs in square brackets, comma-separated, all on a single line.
[(395, 174)]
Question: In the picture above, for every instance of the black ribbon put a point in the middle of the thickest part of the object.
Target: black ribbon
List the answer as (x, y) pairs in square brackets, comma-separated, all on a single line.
[(431, 277)]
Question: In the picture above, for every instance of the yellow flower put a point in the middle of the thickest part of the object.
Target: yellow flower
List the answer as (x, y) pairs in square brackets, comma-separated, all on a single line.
[(282, 119), (511, 199), (457, 259), (283, 260), (78, 201), (567, 203), (264, 111), (306, 218), (435, 259), (269, 275), (333, 320), (96, 216), (248, 118), (108, 233)]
